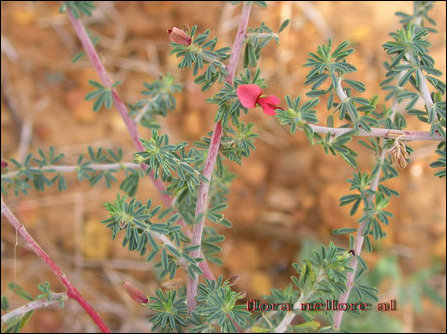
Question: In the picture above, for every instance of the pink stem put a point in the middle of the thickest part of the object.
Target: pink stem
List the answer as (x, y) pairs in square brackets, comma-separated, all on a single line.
[(377, 132), (338, 315), (131, 126), (202, 194), (89, 49), (72, 292)]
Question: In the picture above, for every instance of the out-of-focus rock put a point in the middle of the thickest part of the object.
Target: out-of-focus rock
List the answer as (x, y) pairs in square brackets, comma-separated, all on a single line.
[(333, 215), (242, 256), (293, 167), (281, 199), (80, 108), (277, 218), (95, 240)]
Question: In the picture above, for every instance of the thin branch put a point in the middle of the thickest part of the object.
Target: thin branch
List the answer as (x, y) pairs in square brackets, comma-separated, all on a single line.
[(74, 168), (34, 305), (338, 315), (285, 322), (263, 34), (72, 292), (130, 124), (378, 132), (119, 104), (202, 194), (423, 89), (359, 239), (340, 92), (425, 93)]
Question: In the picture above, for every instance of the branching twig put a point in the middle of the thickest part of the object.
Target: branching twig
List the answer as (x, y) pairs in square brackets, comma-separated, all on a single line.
[(34, 305), (119, 104), (72, 292), (74, 168), (130, 124), (377, 132), (202, 195), (359, 239)]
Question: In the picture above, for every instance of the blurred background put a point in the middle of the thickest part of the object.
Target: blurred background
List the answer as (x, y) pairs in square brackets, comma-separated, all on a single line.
[(285, 198)]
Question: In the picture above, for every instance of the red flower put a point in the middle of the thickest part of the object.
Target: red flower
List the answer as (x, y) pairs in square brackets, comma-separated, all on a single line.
[(179, 36), (4, 164), (250, 96), (136, 294)]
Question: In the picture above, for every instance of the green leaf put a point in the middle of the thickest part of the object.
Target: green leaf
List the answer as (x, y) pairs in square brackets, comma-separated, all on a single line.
[(284, 25), (344, 230), (19, 291), (5, 303)]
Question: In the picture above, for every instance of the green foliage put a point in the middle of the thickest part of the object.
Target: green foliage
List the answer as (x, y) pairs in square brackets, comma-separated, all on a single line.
[(16, 323), (257, 39), (236, 143), (262, 4), (441, 160), (202, 52), (411, 66), (143, 226), (78, 7), (170, 311), (156, 234), (102, 95), (163, 159), (33, 171), (79, 55), (297, 115), (209, 245), (321, 277), (409, 60), (327, 64), (160, 100), (420, 13), (217, 311), (227, 101), (411, 289)]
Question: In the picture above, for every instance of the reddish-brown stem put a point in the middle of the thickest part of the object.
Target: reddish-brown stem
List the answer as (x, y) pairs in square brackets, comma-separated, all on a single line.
[(130, 124), (72, 292), (89, 49), (202, 194)]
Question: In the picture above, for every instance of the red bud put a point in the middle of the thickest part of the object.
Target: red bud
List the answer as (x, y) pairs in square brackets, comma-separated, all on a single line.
[(136, 294), (179, 36)]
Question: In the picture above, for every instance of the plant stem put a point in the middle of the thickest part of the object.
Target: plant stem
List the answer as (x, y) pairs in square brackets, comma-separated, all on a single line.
[(34, 305), (89, 49), (202, 194), (359, 239), (285, 322), (378, 132), (72, 292), (131, 125), (68, 169)]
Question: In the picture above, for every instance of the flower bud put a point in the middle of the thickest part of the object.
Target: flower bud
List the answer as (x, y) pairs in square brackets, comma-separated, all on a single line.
[(136, 294), (179, 36)]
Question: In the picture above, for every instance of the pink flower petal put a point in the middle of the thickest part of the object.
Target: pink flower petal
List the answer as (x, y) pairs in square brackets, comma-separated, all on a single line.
[(269, 104), (248, 95)]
